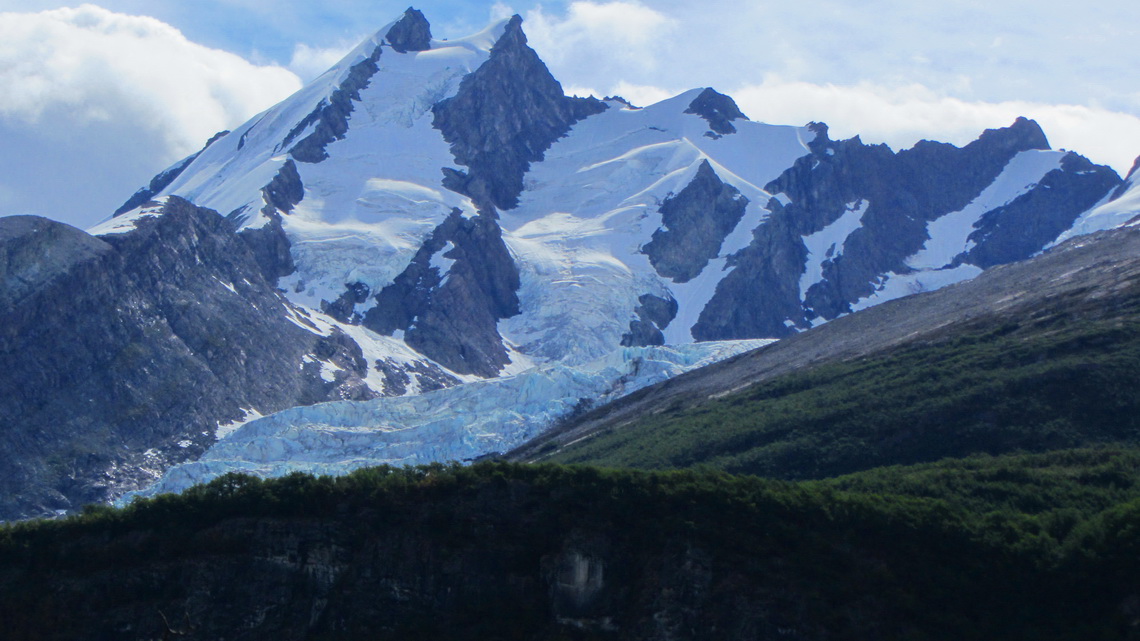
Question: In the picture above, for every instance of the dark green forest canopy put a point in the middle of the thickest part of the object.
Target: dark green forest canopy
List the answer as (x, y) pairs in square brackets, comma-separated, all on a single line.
[(1017, 547)]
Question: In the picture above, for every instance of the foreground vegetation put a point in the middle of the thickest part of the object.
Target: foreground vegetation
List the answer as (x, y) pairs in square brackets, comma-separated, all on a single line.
[(984, 484), (1014, 547)]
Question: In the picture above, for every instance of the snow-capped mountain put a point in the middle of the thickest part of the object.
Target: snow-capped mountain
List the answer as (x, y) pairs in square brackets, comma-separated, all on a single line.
[(432, 214), (447, 194)]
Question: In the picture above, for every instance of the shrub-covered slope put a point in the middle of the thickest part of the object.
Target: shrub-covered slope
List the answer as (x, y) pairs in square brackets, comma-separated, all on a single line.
[(1019, 386), (1036, 356)]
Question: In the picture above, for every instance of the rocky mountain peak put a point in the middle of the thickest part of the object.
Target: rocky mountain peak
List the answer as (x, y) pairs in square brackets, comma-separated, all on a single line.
[(505, 116), (822, 138), (718, 109), (1024, 134), (513, 35), (411, 33)]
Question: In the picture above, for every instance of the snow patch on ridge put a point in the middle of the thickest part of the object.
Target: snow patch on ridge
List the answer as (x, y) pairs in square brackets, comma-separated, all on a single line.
[(128, 222), (827, 243), (248, 414), (1107, 214), (892, 286), (949, 233), (441, 262)]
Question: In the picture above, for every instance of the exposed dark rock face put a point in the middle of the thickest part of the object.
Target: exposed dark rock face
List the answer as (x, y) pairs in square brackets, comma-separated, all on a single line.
[(718, 109), (505, 116), (344, 307), (1020, 229), (286, 189), (331, 115), (452, 317), (642, 332), (653, 315), (270, 247), (619, 99), (341, 351), (901, 193), (163, 180), (411, 33), (695, 223), (822, 139), (1135, 167), (269, 243), (121, 355), (35, 251), (905, 192), (762, 291), (1130, 180), (398, 377)]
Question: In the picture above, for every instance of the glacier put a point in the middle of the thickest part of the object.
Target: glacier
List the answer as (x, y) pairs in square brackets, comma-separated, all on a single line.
[(454, 424)]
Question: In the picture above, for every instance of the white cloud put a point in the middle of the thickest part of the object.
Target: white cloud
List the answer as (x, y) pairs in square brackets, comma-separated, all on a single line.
[(890, 71), (310, 62), (501, 11), (92, 103), (638, 95), (901, 116), (610, 38)]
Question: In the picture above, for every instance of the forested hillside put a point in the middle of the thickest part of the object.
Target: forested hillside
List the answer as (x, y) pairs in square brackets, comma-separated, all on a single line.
[(1025, 547)]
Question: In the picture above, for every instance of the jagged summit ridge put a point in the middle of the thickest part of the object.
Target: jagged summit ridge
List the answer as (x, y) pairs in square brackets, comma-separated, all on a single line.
[(505, 116), (872, 220), (718, 109), (411, 33), (1022, 135)]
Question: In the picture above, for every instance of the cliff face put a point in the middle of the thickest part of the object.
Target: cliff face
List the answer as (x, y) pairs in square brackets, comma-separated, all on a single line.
[(121, 355), (461, 282), (695, 223)]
